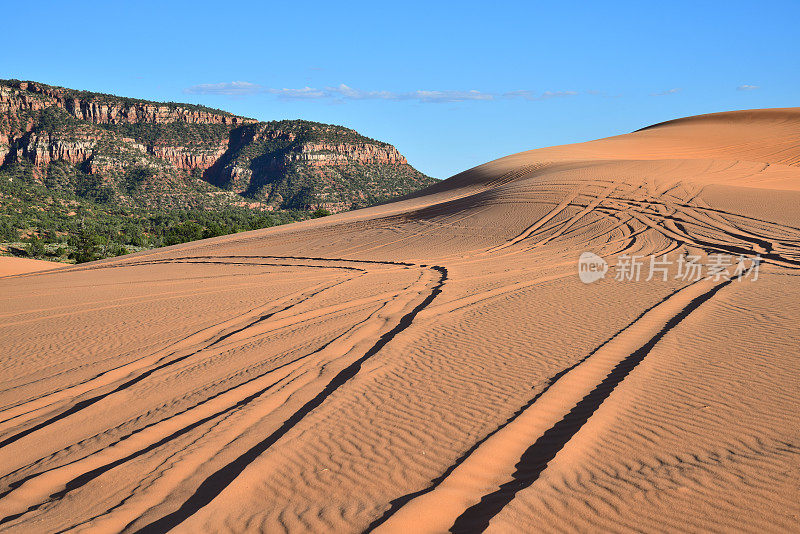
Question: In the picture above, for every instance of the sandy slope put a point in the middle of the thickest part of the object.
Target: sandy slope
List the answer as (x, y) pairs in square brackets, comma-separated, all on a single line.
[(433, 364), (10, 265)]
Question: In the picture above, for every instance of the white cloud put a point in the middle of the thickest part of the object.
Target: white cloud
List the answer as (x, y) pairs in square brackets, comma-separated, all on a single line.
[(556, 94), (747, 87), (448, 96), (225, 88), (667, 92), (344, 92), (299, 94), (521, 93), (531, 95)]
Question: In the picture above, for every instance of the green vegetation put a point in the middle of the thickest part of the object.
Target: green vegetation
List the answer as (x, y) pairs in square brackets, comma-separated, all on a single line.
[(53, 119), (38, 222), (200, 136)]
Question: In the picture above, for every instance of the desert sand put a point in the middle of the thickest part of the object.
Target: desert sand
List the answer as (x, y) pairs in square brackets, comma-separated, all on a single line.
[(10, 265), (434, 364)]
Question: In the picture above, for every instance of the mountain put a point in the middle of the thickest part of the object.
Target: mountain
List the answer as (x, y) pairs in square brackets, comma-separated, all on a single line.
[(138, 153)]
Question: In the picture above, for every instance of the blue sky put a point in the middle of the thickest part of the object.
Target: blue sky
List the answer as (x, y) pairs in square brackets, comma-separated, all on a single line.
[(451, 84)]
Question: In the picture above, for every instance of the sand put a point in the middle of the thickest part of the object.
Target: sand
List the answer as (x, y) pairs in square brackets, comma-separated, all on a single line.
[(10, 265), (434, 364)]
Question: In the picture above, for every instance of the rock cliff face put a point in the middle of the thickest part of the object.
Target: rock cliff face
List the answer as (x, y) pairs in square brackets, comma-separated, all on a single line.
[(186, 158), (283, 164), (108, 109), (42, 148), (321, 154)]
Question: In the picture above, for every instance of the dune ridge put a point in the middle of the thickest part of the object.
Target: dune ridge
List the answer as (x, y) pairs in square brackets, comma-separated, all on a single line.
[(434, 364)]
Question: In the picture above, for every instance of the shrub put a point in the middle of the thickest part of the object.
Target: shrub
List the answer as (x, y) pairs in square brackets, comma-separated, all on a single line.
[(36, 247)]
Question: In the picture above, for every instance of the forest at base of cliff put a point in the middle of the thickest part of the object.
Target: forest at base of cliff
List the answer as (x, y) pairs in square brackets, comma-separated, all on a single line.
[(37, 222)]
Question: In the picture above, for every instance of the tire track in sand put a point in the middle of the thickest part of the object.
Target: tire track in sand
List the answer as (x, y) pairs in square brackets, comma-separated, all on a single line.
[(145, 367), (30, 493), (15, 416), (481, 483), (222, 478), (561, 206)]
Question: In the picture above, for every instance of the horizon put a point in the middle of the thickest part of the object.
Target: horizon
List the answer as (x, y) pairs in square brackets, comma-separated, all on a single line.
[(447, 103)]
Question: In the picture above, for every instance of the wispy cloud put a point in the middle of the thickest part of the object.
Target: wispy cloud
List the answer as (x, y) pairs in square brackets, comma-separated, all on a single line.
[(747, 87), (556, 94), (347, 92), (344, 92), (447, 96), (667, 92), (532, 95), (304, 93), (603, 94), (225, 88), (441, 96)]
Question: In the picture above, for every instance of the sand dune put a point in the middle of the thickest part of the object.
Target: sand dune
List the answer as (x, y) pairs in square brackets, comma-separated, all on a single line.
[(434, 364), (10, 265)]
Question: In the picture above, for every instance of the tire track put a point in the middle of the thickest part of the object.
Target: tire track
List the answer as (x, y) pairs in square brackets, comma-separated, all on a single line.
[(590, 207), (192, 345), (221, 479), (30, 493), (472, 491), (560, 207)]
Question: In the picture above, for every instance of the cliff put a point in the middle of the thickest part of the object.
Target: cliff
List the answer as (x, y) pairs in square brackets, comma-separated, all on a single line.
[(99, 108), (196, 150)]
